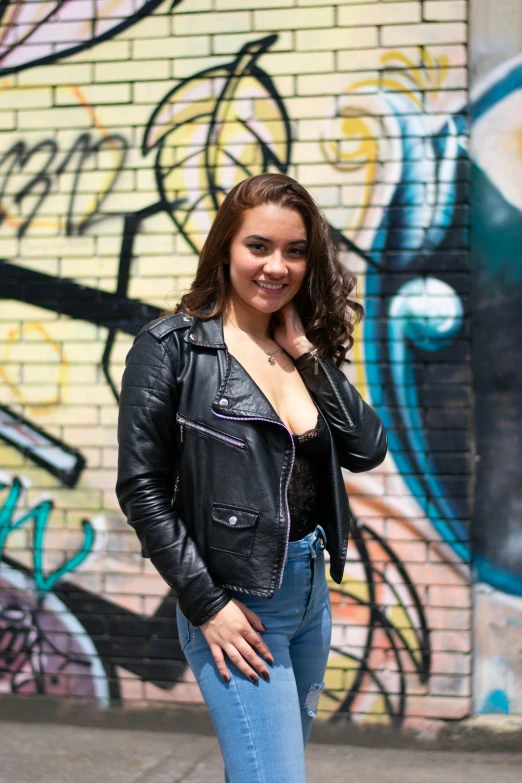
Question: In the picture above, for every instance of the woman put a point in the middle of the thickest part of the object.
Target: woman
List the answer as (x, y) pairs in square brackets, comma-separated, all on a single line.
[(235, 421)]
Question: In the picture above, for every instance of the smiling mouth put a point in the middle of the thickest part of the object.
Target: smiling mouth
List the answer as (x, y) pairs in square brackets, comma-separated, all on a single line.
[(270, 286)]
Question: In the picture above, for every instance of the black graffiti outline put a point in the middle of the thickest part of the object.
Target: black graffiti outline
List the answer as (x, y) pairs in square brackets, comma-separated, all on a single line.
[(83, 147), (378, 620), (132, 19)]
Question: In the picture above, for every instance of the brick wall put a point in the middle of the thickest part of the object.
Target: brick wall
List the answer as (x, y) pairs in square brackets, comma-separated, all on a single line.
[(103, 127)]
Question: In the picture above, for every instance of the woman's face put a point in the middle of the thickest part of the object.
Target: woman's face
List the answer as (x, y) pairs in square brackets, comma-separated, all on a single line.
[(269, 249)]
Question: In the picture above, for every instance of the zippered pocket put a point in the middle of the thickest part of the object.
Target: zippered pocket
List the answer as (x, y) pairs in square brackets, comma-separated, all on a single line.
[(204, 429)]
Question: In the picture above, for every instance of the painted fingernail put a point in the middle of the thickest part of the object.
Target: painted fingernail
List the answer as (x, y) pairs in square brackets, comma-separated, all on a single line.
[(270, 661), (265, 675), (264, 626), (253, 678), (227, 679)]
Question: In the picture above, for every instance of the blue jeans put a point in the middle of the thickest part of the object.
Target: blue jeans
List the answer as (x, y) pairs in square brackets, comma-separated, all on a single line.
[(262, 728)]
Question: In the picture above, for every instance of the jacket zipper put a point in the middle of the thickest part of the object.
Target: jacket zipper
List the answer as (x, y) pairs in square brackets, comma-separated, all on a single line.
[(259, 418), (184, 422)]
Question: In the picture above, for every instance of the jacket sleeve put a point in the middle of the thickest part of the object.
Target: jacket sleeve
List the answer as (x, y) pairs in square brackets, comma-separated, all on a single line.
[(358, 432), (147, 461)]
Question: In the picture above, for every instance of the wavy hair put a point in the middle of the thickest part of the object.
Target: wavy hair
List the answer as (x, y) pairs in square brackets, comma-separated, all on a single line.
[(324, 303)]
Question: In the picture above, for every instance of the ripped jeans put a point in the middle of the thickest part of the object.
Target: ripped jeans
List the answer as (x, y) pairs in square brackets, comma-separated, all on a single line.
[(262, 728)]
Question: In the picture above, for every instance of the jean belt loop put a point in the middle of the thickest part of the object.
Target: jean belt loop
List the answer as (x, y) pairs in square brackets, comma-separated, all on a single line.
[(322, 535)]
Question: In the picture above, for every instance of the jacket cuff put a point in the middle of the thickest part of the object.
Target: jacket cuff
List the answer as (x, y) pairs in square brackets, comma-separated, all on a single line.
[(305, 360)]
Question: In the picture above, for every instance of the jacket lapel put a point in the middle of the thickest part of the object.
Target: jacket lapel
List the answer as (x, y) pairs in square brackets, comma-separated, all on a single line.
[(239, 395)]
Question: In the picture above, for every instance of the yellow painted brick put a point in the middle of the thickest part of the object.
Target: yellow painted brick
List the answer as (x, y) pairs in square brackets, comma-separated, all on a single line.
[(95, 395), (426, 33), (86, 499), (73, 117), (72, 414), (165, 266), (333, 84), (101, 267), (7, 120), (198, 24), (108, 51), (336, 38), (109, 458), (100, 479), (57, 246), (84, 353), (223, 5), (334, 2), (94, 94), (456, 54), (326, 196), (172, 47), (185, 68), (161, 223), (40, 394), (294, 62), (8, 249), (130, 202), (38, 373), (372, 58), (151, 91), (69, 329), (109, 416), (143, 287), (130, 71), (304, 107), (203, 5), (115, 116), (56, 74), (382, 13), (106, 246), (230, 44), (149, 245), (322, 173), (91, 182), (152, 26), (445, 10), (293, 19), (26, 97), (19, 311), (145, 180)]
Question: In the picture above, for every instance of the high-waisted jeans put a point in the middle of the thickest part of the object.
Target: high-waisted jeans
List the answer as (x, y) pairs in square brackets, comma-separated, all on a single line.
[(263, 728)]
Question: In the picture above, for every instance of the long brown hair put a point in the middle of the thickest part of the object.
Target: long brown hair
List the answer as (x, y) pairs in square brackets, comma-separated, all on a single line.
[(323, 302)]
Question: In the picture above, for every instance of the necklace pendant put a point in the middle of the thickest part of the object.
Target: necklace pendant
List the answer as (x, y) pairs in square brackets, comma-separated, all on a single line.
[(271, 360)]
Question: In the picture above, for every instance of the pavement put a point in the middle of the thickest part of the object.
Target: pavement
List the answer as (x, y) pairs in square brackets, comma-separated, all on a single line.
[(57, 753)]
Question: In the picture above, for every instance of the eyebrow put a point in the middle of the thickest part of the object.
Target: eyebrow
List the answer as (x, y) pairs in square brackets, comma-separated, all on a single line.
[(266, 239)]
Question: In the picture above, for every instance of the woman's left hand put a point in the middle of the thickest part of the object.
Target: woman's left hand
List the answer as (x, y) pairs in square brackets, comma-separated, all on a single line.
[(290, 333)]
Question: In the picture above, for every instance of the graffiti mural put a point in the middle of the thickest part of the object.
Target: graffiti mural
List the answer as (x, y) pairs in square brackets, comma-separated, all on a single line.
[(497, 532), (109, 182)]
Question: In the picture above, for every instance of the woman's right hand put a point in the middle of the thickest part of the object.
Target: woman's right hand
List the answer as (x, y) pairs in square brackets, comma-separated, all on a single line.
[(232, 630)]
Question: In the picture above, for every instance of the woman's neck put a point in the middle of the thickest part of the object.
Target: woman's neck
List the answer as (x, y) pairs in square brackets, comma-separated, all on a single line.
[(254, 323)]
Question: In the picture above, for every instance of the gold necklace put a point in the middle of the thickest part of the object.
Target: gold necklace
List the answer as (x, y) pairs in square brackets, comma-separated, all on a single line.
[(269, 353)]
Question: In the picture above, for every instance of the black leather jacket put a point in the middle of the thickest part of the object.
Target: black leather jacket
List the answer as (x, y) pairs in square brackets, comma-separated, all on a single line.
[(204, 462)]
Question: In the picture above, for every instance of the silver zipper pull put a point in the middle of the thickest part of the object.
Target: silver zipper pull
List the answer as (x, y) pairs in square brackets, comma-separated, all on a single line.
[(181, 423), (313, 353)]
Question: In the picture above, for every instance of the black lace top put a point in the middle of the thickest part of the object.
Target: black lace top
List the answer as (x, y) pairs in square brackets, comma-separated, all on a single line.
[(304, 488)]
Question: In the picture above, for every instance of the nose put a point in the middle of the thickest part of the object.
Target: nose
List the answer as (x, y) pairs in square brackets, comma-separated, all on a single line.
[(275, 264)]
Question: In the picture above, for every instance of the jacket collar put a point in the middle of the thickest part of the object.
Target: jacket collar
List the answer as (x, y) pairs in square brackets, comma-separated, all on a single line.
[(207, 333), (238, 395)]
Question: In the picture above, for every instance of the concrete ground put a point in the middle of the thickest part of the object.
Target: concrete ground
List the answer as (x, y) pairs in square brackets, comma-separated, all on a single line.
[(54, 753)]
